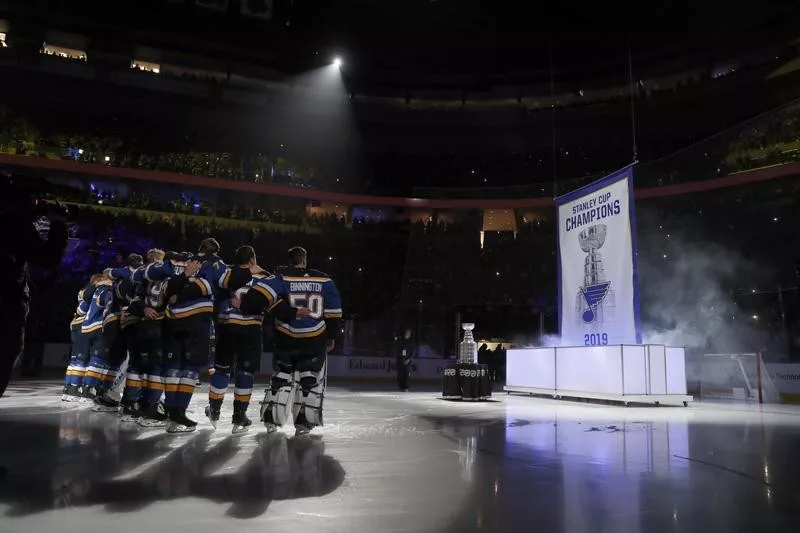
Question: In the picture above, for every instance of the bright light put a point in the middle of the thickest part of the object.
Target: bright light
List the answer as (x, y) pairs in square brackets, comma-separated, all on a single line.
[(107, 158), (337, 61)]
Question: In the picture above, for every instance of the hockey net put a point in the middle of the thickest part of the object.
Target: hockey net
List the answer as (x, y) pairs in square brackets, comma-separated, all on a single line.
[(740, 377)]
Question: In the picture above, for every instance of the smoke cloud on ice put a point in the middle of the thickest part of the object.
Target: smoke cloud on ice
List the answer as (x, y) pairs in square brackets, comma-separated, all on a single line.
[(686, 295)]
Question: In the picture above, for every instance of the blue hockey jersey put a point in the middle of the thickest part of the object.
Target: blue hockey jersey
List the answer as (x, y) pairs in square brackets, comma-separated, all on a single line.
[(173, 265), (118, 299), (146, 293), (84, 301), (264, 284), (94, 316), (120, 272), (236, 281), (194, 295), (317, 292)]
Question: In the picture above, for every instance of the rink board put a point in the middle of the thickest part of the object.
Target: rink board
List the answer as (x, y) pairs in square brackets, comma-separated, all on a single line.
[(655, 399), (340, 367), (650, 373)]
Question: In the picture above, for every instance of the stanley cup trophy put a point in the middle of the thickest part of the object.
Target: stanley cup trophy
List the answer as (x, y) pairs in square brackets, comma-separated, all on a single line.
[(473, 377), (466, 380), (594, 303), (468, 349)]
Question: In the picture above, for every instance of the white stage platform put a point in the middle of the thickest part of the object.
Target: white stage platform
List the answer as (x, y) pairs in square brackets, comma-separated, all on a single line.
[(649, 373)]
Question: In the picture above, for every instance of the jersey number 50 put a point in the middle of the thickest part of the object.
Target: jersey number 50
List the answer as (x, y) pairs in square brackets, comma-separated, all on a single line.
[(313, 302)]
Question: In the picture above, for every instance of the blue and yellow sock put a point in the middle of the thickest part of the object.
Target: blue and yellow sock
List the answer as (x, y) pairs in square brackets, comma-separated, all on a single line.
[(186, 383), (243, 390), (220, 379)]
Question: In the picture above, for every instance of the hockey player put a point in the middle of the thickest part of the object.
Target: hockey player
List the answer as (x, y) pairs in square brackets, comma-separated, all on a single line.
[(92, 328), (301, 345), (190, 310), (144, 385), (114, 335), (78, 358), (239, 336)]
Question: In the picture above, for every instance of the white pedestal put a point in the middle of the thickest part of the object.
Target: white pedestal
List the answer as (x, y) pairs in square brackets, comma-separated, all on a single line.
[(626, 373)]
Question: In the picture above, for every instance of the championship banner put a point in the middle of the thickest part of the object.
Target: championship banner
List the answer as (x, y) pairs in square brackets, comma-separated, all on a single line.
[(598, 298)]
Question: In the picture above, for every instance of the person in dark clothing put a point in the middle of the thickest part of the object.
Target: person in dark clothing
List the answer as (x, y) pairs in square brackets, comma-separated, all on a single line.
[(483, 352), (23, 245), (405, 351), (494, 360)]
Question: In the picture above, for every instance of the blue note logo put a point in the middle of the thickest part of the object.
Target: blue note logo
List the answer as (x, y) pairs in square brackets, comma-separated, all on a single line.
[(593, 296)]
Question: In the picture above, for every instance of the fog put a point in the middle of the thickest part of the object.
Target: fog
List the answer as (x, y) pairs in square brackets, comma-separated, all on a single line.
[(686, 288)]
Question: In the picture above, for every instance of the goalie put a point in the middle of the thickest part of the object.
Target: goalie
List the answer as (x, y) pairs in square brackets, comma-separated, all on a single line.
[(297, 388)]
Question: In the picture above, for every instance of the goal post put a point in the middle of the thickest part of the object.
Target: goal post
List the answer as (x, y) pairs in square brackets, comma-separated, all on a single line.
[(732, 376)]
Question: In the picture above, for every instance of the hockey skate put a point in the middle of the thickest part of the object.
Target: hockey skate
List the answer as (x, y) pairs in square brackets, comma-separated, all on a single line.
[(302, 428), (153, 416), (179, 423), (241, 424), (104, 404), (88, 394), (212, 415), (72, 393), (130, 411), (266, 417)]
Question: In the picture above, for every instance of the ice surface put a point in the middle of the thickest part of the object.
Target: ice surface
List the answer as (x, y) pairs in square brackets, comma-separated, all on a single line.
[(390, 462)]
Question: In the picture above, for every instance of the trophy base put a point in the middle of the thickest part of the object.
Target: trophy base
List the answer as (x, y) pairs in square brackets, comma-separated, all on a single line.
[(466, 382)]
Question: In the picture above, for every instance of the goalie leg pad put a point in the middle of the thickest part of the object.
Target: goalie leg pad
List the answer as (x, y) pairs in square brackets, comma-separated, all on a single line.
[(277, 405), (311, 381)]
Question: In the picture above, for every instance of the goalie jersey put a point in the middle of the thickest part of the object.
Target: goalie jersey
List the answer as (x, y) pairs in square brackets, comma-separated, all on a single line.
[(301, 288)]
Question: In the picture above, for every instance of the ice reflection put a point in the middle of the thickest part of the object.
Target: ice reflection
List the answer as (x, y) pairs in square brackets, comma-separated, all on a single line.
[(624, 447)]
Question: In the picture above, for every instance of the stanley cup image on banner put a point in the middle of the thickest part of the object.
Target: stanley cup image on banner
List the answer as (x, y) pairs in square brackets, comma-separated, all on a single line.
[(594, 300)]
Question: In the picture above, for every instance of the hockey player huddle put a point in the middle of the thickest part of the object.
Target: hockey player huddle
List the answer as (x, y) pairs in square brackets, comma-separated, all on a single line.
[(161, 312)]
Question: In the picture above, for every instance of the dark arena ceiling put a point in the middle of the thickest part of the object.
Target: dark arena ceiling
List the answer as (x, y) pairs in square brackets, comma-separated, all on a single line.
[(492, 42), (440, 43)]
